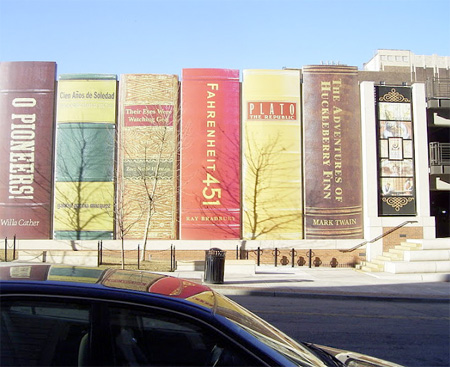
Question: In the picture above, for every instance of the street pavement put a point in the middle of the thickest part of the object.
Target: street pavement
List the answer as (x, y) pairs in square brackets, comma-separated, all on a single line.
[(343, 283)]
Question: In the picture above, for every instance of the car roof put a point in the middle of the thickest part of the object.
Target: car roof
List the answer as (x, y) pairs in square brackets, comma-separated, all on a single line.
[(137, 281)]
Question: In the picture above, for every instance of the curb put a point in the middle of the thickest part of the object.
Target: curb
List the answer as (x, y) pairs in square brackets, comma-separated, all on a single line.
[(335, 296)]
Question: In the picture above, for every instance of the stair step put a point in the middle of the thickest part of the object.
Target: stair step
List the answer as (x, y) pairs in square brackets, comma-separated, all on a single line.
[(439, 245), (398, 267), (379, 261), (369, 269), (396, 251), (411, 245), (427, 255), (387, 258), (405, 247), (393, 256), (373, 266)]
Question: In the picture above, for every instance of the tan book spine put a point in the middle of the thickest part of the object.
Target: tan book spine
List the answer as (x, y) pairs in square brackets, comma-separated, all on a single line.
[(147, 156)]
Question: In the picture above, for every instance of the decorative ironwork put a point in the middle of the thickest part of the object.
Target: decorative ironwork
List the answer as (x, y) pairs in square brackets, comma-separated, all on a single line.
[(397, 202), (394, 96)]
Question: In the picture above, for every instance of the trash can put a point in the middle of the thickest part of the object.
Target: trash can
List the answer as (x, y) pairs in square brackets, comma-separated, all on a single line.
[(214, 265)]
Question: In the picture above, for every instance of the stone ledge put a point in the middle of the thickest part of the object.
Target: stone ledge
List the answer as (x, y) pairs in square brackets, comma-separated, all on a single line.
[(190, 265), (88, 258), (231, 266)]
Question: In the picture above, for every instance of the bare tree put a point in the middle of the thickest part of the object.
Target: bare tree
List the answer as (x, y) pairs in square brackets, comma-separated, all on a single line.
[(264, 198), (160, 164), (122, 212), (148, 158), (78, 200)]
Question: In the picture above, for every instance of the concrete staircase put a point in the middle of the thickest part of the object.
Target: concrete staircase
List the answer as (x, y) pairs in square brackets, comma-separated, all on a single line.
[(413, 256)]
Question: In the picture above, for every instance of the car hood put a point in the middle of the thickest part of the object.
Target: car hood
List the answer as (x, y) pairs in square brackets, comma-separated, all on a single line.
[(353, 359)]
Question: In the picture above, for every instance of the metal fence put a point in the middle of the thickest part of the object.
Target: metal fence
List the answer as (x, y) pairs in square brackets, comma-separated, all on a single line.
[(9, 250), (439, 154), (294, 258), (166, 259), (438, 88)]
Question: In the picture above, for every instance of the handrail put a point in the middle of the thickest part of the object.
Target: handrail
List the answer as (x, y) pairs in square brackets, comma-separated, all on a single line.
[(380, 236)]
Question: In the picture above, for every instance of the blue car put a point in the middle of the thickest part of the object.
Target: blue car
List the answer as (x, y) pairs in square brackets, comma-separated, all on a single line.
[(56, 315)]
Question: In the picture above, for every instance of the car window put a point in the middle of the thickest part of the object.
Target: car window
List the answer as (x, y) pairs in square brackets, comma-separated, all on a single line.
[(265, 332), (42, 333), (153, 337), (46, 331)]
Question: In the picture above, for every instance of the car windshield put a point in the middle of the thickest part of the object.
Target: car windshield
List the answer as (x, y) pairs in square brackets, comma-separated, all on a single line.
[(265, 332)]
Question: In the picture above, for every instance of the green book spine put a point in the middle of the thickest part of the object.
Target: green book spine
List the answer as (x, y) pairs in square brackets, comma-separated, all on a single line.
[(85, 146)]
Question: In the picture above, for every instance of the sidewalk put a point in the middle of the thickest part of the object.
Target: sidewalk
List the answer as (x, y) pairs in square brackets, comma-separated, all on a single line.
[(342, 283)]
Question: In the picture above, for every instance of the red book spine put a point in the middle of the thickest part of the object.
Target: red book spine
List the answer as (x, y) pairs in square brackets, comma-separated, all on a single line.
[(27, 92), (210, 155)]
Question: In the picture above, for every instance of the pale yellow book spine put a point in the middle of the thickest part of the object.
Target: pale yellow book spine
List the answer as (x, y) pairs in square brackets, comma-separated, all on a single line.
[(271, 140), (90, 206), (79, 101)]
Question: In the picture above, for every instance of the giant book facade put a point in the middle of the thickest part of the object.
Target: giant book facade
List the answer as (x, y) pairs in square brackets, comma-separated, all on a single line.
[(210, 155), (27, 92), (396, 166), (85, 148), (147, 157), (332, 147), (271, 145)]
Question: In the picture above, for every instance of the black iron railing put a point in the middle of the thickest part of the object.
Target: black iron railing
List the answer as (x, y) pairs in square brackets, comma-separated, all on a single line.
[(438, 88), (380, 236), (439, 154)]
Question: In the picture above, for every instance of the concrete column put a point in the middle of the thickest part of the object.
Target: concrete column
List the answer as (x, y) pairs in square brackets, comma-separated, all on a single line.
[(372, 223), (422, 179)]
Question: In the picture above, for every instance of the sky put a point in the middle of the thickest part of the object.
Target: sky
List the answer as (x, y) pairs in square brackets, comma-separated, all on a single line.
[(166, 36)]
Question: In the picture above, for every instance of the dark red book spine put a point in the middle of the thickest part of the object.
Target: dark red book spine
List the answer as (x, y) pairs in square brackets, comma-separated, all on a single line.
[(27, 93), (333, 168)]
